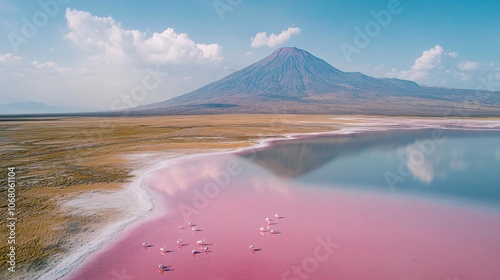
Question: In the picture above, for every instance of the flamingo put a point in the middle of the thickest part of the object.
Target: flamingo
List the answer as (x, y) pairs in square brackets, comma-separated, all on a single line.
[(269, 221), (278, 217), (181, 227), (163, 267), (205, 249), (163, 249), (252, 249), (145, 244), (194, 252), (180, 244), (200, 242)]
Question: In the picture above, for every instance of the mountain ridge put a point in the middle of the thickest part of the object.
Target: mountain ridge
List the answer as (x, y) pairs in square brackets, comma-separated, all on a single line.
[(302, 83)]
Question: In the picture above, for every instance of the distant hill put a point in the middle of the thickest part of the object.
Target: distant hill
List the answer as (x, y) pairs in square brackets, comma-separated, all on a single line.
[(19, 108), (291, 80)]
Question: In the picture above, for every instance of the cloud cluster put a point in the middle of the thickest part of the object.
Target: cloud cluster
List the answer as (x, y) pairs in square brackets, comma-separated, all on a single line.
[(422, 171), (431, 59), (110, 64), (262, 39), (106, 40), (437, 66)]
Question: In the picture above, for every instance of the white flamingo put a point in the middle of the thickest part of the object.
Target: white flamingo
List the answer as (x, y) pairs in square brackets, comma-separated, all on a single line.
[(145, 244), (179, 244), (252, 249), (163, 249), (194, 252), (205, 249), (278, 217), (163, 267), (200, 242), (269, 221)]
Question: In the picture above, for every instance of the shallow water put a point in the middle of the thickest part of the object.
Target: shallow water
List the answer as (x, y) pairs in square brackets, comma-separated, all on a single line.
[(456, 165), (343, 218)]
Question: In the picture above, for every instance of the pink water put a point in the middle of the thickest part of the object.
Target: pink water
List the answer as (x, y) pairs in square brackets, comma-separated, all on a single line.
[(326, 234)]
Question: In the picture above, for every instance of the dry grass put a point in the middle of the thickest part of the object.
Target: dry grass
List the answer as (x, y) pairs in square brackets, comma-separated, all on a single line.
[(56, 159)]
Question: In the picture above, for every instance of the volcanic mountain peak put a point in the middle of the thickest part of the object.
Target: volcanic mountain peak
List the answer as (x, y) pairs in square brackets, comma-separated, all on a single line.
[(292, 53), (294, 59), (294, 78)]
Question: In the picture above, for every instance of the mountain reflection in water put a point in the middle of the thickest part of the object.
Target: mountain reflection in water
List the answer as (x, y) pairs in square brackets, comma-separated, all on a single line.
[(461, 164)]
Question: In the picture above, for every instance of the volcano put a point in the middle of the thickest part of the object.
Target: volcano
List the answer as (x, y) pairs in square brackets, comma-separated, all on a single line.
[(291, 80)]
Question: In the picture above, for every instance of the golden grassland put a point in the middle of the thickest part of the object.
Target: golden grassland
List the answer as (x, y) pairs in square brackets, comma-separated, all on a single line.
[(61, 157)]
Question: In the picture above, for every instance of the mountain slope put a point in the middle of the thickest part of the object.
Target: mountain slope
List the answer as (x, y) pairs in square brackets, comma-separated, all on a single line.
[(295, 81)]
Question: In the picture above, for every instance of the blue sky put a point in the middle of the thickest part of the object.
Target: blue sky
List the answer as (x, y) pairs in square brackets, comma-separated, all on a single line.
[(96, 53)]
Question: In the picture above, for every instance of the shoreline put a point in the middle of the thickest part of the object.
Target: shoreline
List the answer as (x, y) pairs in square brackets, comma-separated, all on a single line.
[(150, 206), (126, 220), (351, 216)]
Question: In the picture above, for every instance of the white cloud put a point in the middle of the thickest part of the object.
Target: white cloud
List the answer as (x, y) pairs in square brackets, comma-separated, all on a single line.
[(468, 66), (110, 63), (437, 66), (20, 67), (262, 39), (421, 168), (452, 54), (105, 40), (25, 80), (430, 59)]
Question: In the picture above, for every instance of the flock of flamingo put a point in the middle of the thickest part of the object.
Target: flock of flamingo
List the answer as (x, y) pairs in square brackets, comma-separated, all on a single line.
[(202, 245)]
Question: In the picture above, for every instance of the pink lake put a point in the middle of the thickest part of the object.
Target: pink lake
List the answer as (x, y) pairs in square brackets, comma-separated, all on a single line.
[(325, 233)]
